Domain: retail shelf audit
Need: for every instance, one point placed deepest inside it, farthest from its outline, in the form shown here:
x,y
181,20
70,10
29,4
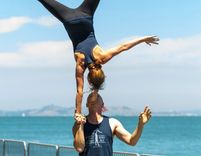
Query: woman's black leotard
x,y
78,23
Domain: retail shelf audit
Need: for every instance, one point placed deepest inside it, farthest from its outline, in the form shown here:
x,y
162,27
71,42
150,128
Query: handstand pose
x,y
78,23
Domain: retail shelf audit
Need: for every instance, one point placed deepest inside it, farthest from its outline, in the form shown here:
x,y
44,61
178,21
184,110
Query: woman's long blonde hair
x,y
96,77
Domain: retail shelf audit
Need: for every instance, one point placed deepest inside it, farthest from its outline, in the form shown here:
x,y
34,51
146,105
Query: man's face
x,y
97,106
100,103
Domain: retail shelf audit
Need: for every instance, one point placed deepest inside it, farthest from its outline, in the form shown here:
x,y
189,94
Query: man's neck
x,y
95,118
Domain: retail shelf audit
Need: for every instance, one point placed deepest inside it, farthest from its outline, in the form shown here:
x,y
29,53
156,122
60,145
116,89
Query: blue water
x,y
163,135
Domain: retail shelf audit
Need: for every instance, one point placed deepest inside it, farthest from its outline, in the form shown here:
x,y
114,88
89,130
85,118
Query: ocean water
x,y
180,136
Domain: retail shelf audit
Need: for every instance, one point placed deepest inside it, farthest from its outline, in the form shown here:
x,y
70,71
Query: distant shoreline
x,y
54,111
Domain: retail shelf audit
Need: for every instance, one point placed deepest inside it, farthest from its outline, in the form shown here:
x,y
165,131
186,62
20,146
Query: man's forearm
x,y
136,134
79,141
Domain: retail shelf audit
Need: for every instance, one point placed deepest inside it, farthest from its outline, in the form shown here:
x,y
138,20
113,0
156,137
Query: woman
x,y
78,23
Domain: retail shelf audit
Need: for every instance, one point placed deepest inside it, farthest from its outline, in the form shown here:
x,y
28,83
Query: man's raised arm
x,y
124,135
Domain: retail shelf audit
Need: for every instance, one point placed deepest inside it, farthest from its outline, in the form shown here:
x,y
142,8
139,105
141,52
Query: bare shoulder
x,y
80,59
114,123
98,54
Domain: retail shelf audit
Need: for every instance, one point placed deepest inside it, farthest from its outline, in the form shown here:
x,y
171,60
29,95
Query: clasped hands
x,y
79,118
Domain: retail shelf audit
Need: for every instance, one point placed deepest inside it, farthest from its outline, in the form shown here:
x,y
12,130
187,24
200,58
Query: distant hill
x,y
53,110
49,110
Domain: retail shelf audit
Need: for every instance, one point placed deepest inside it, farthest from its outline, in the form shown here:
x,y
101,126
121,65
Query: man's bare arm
x,y
78,133
124,135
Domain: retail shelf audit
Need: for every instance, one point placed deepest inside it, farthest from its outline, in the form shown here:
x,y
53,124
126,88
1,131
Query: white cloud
x,y
46,21
39,54
14,23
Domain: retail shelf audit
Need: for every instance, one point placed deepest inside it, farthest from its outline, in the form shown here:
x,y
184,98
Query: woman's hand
x,y
150,40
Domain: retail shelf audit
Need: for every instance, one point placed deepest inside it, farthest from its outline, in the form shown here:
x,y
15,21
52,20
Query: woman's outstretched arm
x,y
109,54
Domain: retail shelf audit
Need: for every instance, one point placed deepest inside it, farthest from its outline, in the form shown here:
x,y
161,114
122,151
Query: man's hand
x,y
79,119
145,116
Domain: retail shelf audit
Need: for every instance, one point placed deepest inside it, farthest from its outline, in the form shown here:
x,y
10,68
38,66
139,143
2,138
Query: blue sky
x,y
37,64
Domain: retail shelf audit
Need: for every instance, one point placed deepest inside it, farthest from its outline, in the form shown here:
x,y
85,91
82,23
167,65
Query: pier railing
x,y
21,148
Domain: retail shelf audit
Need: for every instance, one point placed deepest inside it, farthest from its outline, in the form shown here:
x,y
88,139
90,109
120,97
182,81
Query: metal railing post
x,y
25,149
4,146
57,150
28,149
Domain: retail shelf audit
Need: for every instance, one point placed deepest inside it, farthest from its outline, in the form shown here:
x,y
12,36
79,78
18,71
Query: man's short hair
x,y
93,98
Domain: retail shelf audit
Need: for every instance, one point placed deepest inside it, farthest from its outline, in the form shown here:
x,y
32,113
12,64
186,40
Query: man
x,y
93,135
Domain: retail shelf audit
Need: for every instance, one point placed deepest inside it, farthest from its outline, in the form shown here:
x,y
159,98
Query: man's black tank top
x,y
98,139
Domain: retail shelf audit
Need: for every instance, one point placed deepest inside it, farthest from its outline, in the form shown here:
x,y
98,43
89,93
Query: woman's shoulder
x,y
79,55
80,58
